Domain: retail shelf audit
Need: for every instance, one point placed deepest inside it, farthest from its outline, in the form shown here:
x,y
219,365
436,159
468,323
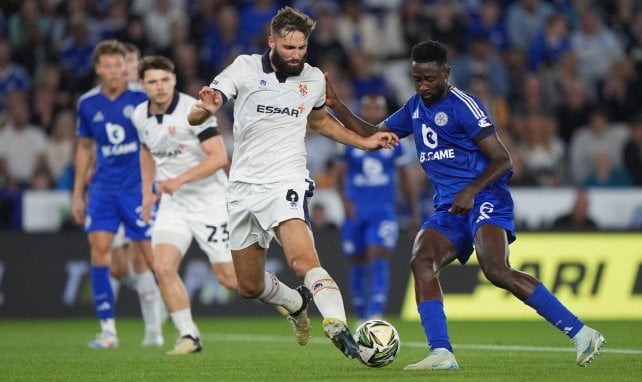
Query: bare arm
x,y
500,162
215,159
147,173
325,124
84,158
210,101
346,116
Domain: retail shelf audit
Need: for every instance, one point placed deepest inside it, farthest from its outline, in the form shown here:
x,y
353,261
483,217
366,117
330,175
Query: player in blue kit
x,y
106,132
368,182
468,167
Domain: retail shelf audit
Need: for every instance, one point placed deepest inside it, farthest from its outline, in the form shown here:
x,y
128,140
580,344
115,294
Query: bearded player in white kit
x,y
187,163
276,95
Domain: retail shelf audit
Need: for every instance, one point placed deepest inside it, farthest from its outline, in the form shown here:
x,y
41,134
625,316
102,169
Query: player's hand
x,y
78,209
149,200
209,99
381,140
331,98
169,186
463,202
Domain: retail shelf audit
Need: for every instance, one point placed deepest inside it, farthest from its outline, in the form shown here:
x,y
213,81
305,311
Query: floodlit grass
x,y
263,349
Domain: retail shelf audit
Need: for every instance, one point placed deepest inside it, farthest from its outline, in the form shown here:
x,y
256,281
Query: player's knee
x,y
300,265
164,269
498,275
249,290
423,263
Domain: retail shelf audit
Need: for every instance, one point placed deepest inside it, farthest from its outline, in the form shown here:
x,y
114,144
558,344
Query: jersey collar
x,y
267,67
170,109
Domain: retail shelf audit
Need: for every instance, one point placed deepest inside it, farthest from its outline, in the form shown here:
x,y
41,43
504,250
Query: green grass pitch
x,y
263,349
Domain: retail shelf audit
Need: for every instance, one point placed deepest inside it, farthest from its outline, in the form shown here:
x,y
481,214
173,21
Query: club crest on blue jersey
x,y
129,110
441,119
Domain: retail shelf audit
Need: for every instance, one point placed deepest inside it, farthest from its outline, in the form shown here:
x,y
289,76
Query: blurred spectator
x,y
578,218
633,151
488,21
574,109
618,92
531,96
135,34
26,24
405,27
525,19
588,141
595,46
255,17
480,60
548,45
605,173
75,55
543,151
158,21
41,180
448,26
515,61
13,77
223,40
22,145
364,78
358,30
634,46
60,149
324,43
319,218
187,68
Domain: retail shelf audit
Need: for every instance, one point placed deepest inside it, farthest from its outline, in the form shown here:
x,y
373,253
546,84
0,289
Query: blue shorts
x,y
106,210
492,206
376,229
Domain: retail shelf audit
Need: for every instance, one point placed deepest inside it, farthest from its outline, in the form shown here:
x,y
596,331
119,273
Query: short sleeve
x,y
400,121
227,82
82,124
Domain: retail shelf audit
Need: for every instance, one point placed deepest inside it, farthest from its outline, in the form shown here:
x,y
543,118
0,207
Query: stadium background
x,y
546,74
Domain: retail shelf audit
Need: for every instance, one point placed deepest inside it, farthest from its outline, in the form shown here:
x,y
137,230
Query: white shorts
x,y
176,226
256,209
119,238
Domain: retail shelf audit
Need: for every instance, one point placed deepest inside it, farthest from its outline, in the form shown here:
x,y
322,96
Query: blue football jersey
x,y
445,136
117,145
370,176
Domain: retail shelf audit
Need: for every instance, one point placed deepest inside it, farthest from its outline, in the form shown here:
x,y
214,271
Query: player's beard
x,y
283,67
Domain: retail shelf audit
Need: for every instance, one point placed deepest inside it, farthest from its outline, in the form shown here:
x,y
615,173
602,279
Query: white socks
x,y
279,294
326,293
151,303
184,324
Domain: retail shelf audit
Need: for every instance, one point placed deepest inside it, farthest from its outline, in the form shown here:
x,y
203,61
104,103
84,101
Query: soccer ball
x,y
378,343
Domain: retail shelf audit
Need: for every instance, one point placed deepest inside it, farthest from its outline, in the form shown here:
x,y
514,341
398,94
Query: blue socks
x,y
433,319
549,307
358,289
103,294
379,285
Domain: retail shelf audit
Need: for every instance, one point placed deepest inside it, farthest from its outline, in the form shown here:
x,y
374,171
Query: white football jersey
x,y
270,118
175,146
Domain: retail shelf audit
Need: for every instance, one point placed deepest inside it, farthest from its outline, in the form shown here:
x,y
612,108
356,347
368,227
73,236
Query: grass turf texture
x,y
263,349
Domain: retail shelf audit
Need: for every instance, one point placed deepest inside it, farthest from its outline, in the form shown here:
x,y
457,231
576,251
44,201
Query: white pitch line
x,y
412,344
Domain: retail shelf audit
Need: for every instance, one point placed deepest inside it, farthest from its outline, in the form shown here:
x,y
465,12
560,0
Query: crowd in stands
x,y
561,79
